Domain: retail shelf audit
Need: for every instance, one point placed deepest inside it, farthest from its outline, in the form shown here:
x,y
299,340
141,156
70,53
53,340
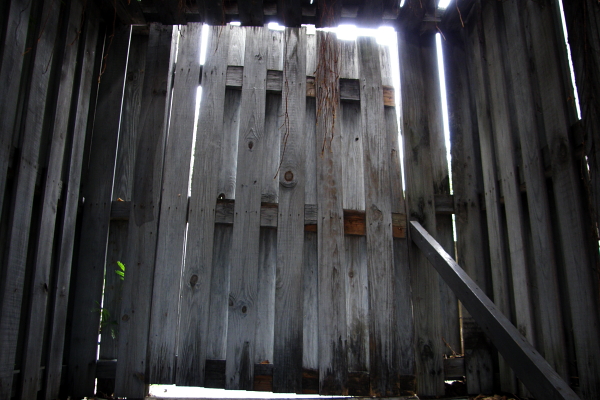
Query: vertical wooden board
x,y
132,368
32,360
275,52
196,276
289,293
311,54
173,209
289,12
467,186
498,260
274,120
231,125
504,150
246,227
130,118
574,231
237,42
333,363
349,68
353,180
219,292
89,69
265,296
441,186
416,132
550,336
10,78
378,202
20,221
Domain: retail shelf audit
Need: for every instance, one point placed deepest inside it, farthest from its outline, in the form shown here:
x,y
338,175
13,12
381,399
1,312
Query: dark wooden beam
x,y
214,13
289,12
455,17
129,12
251,12
414,12
529,366
329,13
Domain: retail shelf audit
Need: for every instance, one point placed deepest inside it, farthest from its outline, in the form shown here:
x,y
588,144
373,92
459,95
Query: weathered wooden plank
x,y
196,276
265,297
10,78
568,196
130,118
332,267
289,12
467,185
329,13
132,369
231,124
32,359
270,169
498,259
173,209
532,369
251,13
550,336
20,220
287,374
246,228
413,54
89,61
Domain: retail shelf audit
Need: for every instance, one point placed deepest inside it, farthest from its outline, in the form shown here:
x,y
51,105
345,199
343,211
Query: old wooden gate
x,y
288,258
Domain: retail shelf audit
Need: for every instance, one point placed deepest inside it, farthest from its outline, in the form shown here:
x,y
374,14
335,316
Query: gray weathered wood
x,y
413,54
231,124
32,352
550,336
246,227
380,262
274,120
498,260
162,345
196,276
566,183
530,366
265,297
10,77
67,240
20,220
132,369
467,185
287,374
332,267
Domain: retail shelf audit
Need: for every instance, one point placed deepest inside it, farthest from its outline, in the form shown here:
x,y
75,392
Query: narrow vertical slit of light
x,y
571,69
442,77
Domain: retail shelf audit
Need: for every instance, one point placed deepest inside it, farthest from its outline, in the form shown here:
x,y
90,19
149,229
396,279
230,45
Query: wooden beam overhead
x,y
251,12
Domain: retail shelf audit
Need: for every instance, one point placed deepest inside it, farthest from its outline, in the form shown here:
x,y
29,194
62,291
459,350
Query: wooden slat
x,y
30,370
140,260
329,13
332,268
419,191
467,184
246,227
265,298
251,13
20,220
551,337
89,62
173,215
196,276
573,226
10,78
498,259
287,375
530,366
380,262
289,12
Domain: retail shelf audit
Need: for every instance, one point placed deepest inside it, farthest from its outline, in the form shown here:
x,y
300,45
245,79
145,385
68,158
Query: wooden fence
x,y
265,239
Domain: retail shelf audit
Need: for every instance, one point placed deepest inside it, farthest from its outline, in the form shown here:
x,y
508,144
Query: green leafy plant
x,y
121,270
106,322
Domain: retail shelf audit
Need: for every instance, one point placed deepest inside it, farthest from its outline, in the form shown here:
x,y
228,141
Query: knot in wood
x,y
193,280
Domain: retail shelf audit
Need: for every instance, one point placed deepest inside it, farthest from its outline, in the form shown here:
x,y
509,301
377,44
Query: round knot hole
x,y
244,309
194,280
289,175
250,144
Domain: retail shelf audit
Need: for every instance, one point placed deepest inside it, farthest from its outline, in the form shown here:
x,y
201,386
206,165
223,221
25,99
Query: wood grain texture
x,y
378,199
20,220
332,267
140,261
229,146
550,336
162,345
530,366
197,272
574,231
497,245
89,69
246,227
289,294
467,185
32,352
10,78
414,53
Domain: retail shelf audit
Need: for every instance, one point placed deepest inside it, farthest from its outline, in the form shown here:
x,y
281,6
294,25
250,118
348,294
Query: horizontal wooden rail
x,y
529,366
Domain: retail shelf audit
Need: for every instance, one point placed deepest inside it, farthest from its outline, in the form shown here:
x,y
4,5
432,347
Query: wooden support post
x,y
530,366
132,369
